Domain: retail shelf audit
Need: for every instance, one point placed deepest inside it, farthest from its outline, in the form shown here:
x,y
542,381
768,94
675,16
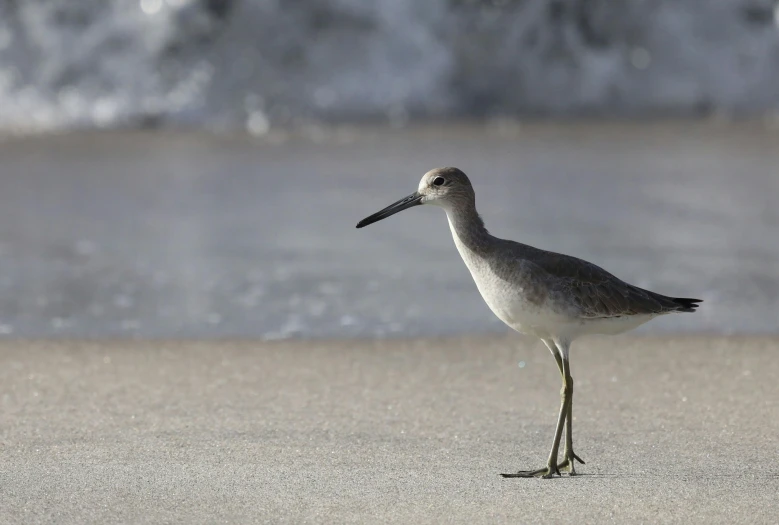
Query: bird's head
x,y
445,187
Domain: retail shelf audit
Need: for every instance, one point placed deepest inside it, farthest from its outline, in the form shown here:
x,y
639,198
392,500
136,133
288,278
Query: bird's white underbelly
x,y
511,304
523,316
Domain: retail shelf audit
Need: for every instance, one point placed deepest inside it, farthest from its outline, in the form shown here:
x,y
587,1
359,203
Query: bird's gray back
x,y
569,285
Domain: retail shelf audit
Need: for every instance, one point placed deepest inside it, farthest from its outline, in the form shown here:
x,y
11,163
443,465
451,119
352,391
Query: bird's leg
x,y
569,456
551,464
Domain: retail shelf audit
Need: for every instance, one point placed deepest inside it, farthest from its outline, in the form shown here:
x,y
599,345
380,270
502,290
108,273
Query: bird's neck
x,y
468,228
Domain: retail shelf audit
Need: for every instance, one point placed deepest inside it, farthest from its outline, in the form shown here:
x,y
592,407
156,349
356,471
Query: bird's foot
x,y
546,472
568,464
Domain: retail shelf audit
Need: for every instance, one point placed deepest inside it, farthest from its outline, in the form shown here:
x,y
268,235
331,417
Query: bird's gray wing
x,y
590,292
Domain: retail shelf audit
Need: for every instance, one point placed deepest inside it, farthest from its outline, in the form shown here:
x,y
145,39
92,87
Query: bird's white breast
x,y
511,301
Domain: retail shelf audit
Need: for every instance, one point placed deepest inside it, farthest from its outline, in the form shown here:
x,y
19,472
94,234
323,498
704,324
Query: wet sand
x,y
673,429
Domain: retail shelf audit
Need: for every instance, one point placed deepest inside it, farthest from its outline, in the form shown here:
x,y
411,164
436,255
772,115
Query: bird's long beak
x,y
415,199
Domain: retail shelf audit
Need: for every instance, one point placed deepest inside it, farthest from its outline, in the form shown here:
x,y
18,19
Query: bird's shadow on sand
x,y
609,475
585,475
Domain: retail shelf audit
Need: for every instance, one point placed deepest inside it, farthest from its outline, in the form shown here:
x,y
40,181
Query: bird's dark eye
x,y
438,181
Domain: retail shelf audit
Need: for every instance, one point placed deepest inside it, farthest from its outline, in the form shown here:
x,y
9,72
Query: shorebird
x,y
552,296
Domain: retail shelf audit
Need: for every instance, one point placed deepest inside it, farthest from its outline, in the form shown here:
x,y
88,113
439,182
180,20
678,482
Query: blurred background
x,y
195,168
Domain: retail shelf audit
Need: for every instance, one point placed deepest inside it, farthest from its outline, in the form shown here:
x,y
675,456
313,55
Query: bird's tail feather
x,y
686,304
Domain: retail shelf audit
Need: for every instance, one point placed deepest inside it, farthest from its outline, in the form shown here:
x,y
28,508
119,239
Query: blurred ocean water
x,y
253,64
139,234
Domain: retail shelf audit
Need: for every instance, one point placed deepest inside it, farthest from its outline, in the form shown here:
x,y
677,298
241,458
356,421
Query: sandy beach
x,y
673,430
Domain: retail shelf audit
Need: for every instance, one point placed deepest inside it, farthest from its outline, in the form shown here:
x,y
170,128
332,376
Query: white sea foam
x,y
251,65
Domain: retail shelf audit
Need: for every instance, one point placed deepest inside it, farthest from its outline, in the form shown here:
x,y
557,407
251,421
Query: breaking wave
x,y
253,64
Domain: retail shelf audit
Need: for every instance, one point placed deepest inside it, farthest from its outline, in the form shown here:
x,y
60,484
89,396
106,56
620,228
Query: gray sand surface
x,y
674,430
